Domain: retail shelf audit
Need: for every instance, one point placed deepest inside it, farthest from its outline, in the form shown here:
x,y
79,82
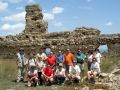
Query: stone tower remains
x,y
34,21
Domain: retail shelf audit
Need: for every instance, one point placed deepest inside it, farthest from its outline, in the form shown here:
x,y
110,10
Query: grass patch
x,y
8,75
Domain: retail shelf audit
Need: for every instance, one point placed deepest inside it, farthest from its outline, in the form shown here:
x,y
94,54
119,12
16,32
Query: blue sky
x,y
62,15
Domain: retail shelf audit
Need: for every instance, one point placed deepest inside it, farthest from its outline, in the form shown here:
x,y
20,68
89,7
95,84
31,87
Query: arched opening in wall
x,y
103,48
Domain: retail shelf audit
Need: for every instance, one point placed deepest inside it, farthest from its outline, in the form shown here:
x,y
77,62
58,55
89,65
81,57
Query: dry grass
x,y
8,75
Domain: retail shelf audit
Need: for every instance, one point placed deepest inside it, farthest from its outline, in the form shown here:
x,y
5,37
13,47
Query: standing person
x,y
41,54
74,74
32,60
59,57
80,59
94,70
40,65
98,56
21,60
90,57
51,60
69,58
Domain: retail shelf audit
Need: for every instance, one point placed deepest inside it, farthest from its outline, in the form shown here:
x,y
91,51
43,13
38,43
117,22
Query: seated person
x,y
47,74
32,76
74,73
94,70
60,74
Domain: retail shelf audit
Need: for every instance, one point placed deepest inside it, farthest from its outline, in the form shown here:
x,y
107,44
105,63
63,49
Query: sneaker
x,y
29,84
17,81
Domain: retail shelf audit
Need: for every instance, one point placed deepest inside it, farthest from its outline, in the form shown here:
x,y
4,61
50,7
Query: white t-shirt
x,y
90,57
32,62
32,73
95,67
75,69
62,72
43,56
98,57
40,65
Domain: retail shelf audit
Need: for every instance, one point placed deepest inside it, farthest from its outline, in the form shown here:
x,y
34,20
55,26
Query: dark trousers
x,y
39,77
89,65
60,80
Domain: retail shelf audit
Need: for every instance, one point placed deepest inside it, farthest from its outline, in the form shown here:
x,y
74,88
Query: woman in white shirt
x,y
94,70
98,56
90,57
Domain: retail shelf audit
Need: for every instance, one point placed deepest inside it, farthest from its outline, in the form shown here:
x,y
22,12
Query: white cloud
x,y
3,6
13,1
15,18
18,26
20,8
48,16
109,23
57,24
57,10
30,1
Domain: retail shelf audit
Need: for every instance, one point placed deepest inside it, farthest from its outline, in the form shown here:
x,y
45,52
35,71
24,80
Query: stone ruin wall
x,y
36,36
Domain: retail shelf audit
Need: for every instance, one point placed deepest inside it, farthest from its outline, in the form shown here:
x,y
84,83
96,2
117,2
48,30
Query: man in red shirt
x,y
47,74
51,60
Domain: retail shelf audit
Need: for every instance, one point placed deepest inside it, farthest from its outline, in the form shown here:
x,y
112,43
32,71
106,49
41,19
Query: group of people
x,y
48,68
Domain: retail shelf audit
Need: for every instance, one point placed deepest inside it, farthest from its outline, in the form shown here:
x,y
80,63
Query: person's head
x,y
79,51
59,52
94,60
39,58
90,52
60,66
33,67
41,50
97,50
48,66
74,62
51,54
67,50
21,50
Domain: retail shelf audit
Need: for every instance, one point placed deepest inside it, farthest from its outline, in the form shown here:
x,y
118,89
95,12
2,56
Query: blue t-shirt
x,y
60,58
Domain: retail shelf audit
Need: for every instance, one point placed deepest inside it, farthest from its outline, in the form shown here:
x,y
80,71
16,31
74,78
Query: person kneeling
x,y
60,74
32,76
94,70
47,75
74,73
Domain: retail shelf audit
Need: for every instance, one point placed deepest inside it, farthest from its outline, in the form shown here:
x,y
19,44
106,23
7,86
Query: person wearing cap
x,y
21,62
94,70
79,56
74,73
69,58
59,57
51,60
32,76
47,74
60,74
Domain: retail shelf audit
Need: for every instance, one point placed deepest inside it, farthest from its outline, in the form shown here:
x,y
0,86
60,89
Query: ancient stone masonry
x,y
36,36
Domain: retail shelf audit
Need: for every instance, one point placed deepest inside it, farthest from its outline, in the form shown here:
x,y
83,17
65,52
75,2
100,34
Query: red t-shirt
x,y
48,71
51,60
